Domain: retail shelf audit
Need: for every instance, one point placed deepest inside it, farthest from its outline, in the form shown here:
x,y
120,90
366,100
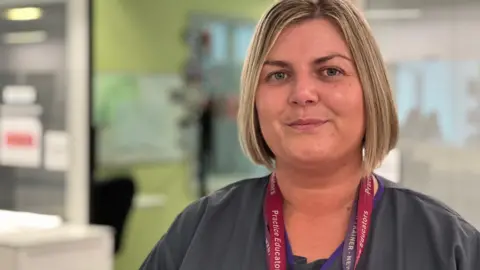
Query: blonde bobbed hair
x,y
381,122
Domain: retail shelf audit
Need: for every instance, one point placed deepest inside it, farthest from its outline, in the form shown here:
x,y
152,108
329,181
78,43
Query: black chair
x,y
112,201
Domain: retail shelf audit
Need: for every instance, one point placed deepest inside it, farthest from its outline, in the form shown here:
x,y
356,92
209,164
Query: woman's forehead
x,y
311,38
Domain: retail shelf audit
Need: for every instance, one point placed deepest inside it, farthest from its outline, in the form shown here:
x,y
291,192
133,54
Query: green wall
x,y
146,225
144,36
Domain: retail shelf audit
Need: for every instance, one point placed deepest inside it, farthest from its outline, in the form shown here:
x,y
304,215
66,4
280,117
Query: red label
x,y
17,139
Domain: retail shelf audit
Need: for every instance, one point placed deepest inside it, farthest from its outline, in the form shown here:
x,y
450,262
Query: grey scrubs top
x,y
225,231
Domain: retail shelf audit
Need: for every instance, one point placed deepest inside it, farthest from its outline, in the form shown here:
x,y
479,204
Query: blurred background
x,y
122,112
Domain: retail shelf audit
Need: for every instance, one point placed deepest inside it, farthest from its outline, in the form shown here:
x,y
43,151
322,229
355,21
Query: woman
x,y
317,109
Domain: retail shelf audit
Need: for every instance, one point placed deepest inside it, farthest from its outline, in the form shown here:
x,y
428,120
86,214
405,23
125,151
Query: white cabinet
x,y
65,247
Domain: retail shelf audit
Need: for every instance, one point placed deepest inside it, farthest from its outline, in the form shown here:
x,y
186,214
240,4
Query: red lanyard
x,y
354,244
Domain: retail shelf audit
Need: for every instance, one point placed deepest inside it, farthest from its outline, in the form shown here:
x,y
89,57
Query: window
x,y
241,40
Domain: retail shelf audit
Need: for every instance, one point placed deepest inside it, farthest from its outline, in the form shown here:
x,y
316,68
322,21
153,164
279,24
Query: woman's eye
x,y
278,76
331,72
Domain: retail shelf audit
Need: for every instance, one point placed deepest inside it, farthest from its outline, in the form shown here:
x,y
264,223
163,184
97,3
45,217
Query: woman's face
x,y
309,98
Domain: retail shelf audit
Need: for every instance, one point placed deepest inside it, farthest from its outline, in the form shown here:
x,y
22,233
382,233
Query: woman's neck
x,y
318,206
315,194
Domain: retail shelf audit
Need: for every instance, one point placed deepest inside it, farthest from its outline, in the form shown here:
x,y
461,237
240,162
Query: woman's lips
x,y
306,124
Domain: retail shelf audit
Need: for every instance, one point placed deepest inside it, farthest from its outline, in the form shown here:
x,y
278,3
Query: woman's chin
x,y
309,156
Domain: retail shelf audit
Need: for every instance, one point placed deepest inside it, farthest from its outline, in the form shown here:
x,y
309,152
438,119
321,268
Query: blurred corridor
x,y
144,93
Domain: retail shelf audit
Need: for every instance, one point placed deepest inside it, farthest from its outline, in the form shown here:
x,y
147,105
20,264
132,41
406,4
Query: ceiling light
x,y
23,14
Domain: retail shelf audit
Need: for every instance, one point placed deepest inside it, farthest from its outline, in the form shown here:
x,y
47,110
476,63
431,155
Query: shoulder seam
x,y
232,186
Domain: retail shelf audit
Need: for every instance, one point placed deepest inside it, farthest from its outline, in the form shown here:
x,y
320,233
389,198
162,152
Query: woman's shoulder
x,y
231,196
236,196
412,199
251,187
420,212
210,215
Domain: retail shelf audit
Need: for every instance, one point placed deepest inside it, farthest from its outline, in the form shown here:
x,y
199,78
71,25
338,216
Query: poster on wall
x,y
21,140
137,119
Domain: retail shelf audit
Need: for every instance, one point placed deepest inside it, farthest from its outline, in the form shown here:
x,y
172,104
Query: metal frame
x,y
78,110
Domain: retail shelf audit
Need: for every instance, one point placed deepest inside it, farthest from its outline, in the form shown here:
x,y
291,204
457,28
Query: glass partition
x,y
222,67
435,69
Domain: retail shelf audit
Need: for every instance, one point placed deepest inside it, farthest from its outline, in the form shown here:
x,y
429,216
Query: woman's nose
x,y
304,92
